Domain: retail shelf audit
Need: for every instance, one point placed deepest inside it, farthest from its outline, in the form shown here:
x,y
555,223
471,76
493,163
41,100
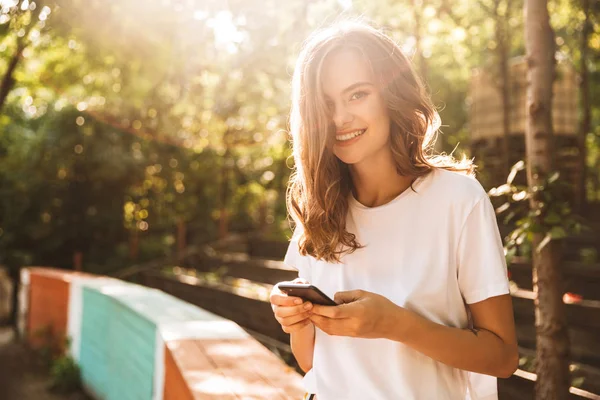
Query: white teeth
x,y
350,135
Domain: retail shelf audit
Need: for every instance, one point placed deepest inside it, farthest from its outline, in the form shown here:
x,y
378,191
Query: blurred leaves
x,y
125,118
553,218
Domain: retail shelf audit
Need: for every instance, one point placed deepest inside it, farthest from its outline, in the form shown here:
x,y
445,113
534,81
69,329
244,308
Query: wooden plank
x,y
583,314
235,360
584,346
521,385
241,266
590,375
48,309
569,268
584,327
580,278
251,313
203,378
259,247
176,386
274,370
227,369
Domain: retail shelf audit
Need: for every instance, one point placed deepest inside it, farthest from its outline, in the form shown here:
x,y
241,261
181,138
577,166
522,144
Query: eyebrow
x,y
355,85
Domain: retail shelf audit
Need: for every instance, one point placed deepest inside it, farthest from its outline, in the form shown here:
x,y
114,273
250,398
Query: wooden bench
x,y
136,342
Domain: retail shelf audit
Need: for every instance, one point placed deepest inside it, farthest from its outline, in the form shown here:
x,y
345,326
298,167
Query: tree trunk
x,y
421,63
181,238
15,274
552,337
504,89
78,261
586,117
134,241
552,356
418,5
224,195
503,40
8,81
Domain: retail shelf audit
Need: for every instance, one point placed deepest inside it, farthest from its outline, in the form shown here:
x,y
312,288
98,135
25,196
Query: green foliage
x,y
64,371
552,216
589,255
48,345
127,119
65,374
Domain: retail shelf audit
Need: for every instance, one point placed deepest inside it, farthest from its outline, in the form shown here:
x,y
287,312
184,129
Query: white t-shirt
x,y
429,251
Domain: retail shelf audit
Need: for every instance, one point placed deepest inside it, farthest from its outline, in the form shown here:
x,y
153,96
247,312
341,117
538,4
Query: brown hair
x,y
318,191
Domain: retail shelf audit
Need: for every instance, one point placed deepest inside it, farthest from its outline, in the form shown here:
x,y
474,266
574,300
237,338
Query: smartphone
x,y
306,292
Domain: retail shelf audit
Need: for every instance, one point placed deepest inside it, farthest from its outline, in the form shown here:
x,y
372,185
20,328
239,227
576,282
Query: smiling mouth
x,y
350,135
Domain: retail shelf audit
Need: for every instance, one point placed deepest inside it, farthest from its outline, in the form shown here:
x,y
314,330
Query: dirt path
x,y
22,377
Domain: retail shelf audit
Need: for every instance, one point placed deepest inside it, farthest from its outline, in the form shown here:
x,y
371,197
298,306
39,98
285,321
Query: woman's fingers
x,y
293,323
283,300
293,319
288,316
297,326
289,311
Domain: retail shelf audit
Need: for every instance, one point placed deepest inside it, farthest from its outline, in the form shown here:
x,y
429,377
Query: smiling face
x,y
356,107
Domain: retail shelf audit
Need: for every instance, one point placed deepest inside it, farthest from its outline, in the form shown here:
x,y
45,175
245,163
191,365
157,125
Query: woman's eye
x,y
358,95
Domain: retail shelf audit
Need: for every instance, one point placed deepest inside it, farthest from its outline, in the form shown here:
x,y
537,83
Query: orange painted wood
x,y
49,305
223,369
176,387
48,309
60,274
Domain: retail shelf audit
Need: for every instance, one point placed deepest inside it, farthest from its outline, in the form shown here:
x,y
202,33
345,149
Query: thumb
x,y
348,296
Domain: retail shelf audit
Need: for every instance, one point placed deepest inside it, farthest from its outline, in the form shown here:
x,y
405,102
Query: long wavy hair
x,y
319,188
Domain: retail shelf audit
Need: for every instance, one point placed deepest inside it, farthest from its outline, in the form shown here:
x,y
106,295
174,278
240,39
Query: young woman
x,y
406,243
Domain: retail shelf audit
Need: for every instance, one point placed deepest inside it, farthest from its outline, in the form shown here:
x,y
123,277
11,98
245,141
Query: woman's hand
x,y
292,313
360,314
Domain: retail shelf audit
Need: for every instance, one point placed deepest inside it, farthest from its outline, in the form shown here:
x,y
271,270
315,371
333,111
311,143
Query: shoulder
x,y
457,183
456,188
298,230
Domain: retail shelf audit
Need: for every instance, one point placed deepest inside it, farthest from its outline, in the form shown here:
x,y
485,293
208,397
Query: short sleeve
x,y
294,259
480,256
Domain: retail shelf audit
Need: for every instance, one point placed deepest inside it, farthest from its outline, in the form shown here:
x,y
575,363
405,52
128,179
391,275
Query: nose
x,y
342,117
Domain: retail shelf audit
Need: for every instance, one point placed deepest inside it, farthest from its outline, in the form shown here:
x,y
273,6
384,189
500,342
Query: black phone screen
x,y
307,292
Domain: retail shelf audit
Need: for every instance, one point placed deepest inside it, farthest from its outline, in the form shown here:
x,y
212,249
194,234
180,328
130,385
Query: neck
x,y
376,181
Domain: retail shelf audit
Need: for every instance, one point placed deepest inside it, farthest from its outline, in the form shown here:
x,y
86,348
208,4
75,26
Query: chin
x,y
349,158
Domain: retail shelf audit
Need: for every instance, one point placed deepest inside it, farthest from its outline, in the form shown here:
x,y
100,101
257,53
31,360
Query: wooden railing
x,y
209,289
578,277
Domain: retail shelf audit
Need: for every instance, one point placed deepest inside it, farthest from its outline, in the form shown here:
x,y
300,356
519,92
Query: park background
x,y
134,134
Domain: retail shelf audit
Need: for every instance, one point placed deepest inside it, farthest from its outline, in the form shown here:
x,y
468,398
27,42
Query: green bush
x,y
66,376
